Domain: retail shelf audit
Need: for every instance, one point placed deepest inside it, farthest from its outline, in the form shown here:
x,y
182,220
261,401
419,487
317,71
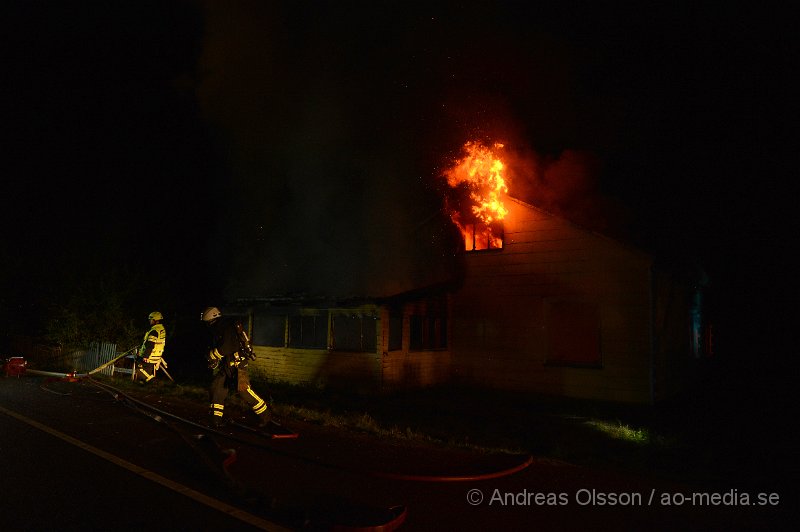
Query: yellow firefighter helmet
x,y
155,316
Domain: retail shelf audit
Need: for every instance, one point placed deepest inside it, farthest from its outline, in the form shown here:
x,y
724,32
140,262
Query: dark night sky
x,y
267,146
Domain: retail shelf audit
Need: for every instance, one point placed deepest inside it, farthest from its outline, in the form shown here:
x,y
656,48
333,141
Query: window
x,y
417,336
573,334
481,236
395,332
354,333
427,333
269,330
438,332
309,331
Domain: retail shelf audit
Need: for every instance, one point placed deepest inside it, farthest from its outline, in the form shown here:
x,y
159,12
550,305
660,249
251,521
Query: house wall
x,y
324,366
368,371
318,366
500,316
407,368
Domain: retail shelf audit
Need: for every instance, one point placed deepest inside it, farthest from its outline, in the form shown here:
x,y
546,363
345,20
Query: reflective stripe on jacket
x,y
154,341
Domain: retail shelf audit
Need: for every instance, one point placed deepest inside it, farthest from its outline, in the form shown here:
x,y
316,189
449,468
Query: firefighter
x,y
149,357
227,357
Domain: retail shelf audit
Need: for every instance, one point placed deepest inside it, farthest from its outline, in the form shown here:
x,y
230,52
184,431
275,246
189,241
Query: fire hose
x,y
398,513
104,366
222,458
141,406
73,376
380,474
194,441
219,459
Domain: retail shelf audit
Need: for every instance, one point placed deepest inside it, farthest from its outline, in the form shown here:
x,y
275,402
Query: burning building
x,y
540,304
565,311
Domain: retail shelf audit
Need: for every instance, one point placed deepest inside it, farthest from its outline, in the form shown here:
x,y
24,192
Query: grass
x,y
639,436
460,418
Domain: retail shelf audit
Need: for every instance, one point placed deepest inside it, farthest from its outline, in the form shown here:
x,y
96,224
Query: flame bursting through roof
x,y
480,173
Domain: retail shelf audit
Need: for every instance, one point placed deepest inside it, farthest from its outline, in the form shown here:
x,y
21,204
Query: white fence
x,y
98,354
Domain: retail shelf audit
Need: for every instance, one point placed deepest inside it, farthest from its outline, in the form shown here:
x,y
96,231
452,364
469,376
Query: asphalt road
x,y
72,457
57,477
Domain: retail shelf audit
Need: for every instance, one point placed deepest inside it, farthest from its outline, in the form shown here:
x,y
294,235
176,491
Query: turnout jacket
x,y
153,345
224,349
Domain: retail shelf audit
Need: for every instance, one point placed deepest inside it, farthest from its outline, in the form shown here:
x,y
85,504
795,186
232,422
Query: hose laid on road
x,y
221,470
380,474
71,375
397,513
457,478
54,377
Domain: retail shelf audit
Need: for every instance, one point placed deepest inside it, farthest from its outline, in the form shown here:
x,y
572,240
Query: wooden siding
x,y
322,367
500,338
381,369
405,368
317,366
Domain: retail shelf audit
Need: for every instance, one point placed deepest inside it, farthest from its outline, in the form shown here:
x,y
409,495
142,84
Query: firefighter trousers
x,y
221,386
146,370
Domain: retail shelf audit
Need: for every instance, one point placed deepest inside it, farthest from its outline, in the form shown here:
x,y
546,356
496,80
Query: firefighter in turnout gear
x,y
148,359
228,356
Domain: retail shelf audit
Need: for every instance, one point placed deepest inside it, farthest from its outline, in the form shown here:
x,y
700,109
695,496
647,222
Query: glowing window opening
x,y
479,237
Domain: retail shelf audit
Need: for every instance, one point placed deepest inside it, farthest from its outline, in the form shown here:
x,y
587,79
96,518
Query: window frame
x,y
472,229
368,346
427,332
321,322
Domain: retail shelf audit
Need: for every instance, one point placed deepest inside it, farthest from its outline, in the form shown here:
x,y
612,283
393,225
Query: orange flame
x,y
481,172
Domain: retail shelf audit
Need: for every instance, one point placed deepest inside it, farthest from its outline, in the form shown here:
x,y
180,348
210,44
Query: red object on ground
x,y
15,366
